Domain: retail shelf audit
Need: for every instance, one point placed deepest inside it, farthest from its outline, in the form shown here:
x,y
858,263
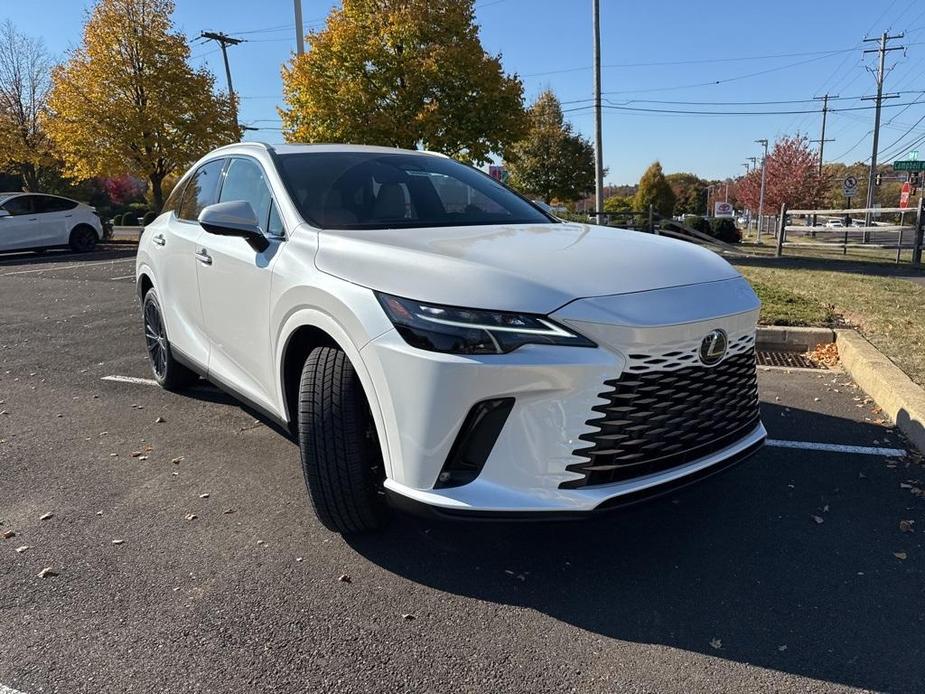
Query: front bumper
x,y
424,398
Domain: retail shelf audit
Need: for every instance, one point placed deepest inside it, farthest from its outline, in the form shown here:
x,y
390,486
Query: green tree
x,y
618,203
690,193
402,73
551,161
126,101
654,190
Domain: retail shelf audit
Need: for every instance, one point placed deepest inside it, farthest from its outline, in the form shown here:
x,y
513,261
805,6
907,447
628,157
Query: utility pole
x,y
224,41
882,50
825,110
764,167
299,30
598,155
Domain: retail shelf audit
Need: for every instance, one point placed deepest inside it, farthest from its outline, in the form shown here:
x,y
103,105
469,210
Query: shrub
x,y
148,218
130,219
725,230
701,224
117,220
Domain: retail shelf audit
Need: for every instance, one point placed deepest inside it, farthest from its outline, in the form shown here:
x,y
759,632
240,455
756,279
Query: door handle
x,y
159,240
203,257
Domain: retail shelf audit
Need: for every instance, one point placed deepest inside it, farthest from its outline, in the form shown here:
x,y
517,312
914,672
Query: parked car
x,y
436,342
36,222
835,224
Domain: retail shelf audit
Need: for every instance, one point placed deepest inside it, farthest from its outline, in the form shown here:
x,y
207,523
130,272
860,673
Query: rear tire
x,y
341,458
83,239
168,372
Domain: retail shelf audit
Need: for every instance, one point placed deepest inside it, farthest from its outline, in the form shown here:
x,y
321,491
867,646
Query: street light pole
x,y
598,155
764,167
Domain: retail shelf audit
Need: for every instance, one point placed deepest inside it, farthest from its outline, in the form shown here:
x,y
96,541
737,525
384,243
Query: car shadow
x,y
24,259
785,562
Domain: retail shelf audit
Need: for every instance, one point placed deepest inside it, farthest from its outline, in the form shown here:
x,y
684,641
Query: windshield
x,y
373,190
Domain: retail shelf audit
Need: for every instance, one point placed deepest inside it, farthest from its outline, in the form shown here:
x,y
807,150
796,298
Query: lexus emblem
x,y
713,347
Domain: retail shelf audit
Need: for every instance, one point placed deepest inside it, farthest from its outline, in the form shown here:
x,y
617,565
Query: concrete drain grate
x,y
790,360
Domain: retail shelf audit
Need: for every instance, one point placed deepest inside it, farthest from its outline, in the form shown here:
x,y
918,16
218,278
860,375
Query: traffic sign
x,y
723,209
850,186
908,165
905,195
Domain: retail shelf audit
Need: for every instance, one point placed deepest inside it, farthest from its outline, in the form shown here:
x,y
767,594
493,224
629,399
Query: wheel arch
x,y
302,332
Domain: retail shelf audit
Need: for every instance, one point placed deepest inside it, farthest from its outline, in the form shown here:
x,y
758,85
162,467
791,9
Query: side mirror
x,y
234,218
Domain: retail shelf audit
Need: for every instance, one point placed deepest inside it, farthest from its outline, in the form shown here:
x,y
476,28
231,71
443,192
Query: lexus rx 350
x,y
434,340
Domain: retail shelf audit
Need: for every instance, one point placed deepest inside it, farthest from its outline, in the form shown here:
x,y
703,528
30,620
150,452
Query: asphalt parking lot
x,y
187,559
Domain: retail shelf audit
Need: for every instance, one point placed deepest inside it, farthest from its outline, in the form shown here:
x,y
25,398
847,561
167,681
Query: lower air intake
x,y
658,420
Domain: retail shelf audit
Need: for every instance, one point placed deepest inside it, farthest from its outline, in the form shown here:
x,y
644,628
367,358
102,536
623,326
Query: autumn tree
x,y
126,101
792,177
616,204
24,84
690,193
551,161
402,73
654,190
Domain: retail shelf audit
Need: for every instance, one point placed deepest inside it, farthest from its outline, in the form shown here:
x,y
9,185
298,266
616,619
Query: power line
x,y
691,112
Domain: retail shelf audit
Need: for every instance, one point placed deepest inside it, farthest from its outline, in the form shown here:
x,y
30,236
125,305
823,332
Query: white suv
x,y
35,222
436,341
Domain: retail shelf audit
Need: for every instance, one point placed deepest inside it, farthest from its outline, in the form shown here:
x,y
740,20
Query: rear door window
x,y
202,190
48,203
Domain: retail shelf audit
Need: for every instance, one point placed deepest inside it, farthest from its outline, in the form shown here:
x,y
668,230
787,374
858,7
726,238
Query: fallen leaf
x,y
906,526
46,516
900,555
191,516
261,542
20,550
407,617
716,643
818,519
7,534
136,454
159,420
204,496
228,510
782,647
344,578
47,571
177,460
118,542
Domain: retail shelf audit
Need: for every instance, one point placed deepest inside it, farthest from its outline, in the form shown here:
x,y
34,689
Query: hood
x,y
534,268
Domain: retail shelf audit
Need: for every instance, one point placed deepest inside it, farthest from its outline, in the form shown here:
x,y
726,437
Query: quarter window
x,y
244,181
47,203
201,191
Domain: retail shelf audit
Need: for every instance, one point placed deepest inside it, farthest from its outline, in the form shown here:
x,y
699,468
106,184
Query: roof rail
x,y
254,143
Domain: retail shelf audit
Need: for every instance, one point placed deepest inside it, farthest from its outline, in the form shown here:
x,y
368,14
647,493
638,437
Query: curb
x,y
791,339
893,391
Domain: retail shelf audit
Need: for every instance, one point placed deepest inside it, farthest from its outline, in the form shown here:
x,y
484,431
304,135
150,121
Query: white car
x,y
437,342
835,224
35,222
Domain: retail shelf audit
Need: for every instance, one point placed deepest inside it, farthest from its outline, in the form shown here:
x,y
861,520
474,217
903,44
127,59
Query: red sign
x,y
904,195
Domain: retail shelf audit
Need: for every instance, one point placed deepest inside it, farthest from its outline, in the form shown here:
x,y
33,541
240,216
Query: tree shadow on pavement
x,y
25,259
736,567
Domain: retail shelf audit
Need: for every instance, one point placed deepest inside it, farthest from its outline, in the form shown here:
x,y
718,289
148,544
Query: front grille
x,y
658,420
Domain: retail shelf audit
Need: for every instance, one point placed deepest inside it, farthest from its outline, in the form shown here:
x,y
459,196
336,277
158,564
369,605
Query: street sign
x,y
723,209
850,186
908,165
905,195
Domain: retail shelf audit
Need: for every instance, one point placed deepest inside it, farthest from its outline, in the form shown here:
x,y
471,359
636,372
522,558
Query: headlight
x,y
473,331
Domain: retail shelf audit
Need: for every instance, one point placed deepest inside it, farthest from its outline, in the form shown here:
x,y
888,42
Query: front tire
x,y
341,458
83,239
168,372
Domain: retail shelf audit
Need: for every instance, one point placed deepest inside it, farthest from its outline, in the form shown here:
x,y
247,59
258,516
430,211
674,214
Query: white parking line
x,y
838,448
9,690
123,277
68,267
129,379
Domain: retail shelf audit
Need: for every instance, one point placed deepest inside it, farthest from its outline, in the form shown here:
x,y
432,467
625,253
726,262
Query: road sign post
x,y
850,186
905,195
919,226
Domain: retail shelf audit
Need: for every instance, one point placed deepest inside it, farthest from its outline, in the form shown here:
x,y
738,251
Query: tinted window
x,y
47,203
244,180
172,204
275,224
20,205
201,191
366,190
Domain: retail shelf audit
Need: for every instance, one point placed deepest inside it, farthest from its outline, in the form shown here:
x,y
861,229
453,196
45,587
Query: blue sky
x,y
714,52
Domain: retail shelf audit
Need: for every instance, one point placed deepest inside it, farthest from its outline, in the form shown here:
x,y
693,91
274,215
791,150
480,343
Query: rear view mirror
x,y
234,218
